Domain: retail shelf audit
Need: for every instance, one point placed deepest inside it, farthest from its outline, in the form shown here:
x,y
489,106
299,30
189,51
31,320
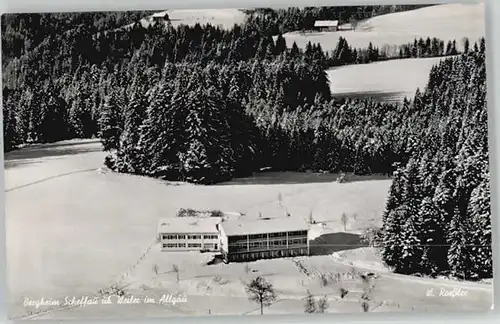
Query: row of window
x,y
297,233
233,239
238,245
237,238
189,237
174,245
300,241
243,238
209,246
263,245
257,245
257,236
278,243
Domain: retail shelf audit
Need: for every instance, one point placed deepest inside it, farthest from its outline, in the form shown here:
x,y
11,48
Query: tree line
x,y
438,218
274,21
56,90
344,54
22,33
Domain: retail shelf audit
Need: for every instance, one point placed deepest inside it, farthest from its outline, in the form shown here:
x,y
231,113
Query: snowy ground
x,y
72,230
388,81
446,22
225,18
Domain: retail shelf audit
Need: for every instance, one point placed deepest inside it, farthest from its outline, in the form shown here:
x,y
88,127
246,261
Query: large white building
x,y
189,234
242,240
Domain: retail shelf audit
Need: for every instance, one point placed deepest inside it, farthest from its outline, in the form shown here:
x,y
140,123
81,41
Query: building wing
x,y
264,226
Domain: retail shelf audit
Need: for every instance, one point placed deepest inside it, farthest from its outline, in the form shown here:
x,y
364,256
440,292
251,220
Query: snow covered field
x,y
72,230
225,18
446,22
388,81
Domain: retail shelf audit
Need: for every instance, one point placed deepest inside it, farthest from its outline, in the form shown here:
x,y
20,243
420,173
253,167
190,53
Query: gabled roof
x,y
264,226
160,14
326,23
188,225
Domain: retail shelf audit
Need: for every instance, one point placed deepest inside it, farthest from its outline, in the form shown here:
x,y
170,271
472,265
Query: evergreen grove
x,y
204,105
438,218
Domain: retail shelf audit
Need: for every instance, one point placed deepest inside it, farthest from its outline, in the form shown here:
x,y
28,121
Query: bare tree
x,y
310,303
365,306
175,268
261,291
311,219
323,304
344,220
354,23
368,286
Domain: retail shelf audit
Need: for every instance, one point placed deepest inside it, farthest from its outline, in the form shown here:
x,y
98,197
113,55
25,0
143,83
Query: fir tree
x,y
110,130
10,138
323,304
128,157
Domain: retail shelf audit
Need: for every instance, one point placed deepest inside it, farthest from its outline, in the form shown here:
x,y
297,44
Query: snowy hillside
x,y
446,22
224,18
112,222
387,81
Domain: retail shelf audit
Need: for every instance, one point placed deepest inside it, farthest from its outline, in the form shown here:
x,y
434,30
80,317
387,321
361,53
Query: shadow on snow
x,y
35,153
380,96
334,242
276,178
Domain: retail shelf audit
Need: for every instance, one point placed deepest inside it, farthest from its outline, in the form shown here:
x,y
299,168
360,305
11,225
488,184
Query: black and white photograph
x,y
260,161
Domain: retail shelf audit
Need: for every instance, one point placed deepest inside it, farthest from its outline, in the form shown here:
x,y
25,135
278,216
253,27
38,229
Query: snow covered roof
x,y
160,14
188,225
326,23
263,226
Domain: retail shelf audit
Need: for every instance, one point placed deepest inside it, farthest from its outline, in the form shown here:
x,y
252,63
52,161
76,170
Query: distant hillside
x,y
22,33
280,21
223,18
387,81
447,22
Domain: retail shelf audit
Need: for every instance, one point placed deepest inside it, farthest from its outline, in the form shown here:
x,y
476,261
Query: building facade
x,y
326,25
160,17
263,239
189,234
